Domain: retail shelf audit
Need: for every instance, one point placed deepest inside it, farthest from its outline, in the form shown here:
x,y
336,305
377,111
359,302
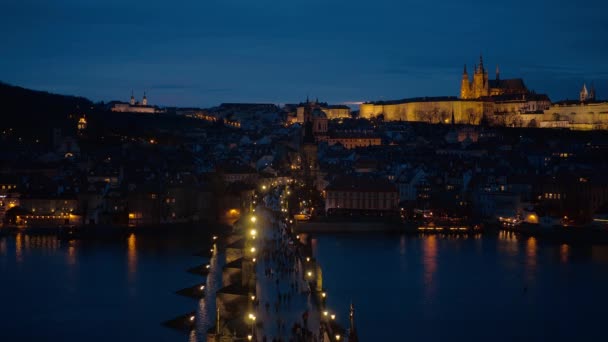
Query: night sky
x,y
204,52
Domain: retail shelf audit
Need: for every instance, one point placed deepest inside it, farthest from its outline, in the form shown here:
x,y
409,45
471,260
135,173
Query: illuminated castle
x,y
483,87
135,107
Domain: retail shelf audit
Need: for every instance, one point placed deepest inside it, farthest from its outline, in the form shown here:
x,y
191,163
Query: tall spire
x,y
481,63
464,72
497,73
352,335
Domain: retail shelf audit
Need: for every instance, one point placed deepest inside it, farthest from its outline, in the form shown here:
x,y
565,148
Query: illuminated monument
x,y
502,102
135,107
483,87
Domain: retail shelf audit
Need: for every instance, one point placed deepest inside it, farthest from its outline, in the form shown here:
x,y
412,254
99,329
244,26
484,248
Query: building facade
x,y
352,194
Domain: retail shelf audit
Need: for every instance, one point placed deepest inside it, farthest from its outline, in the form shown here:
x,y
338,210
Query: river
x,y
431,288
496,288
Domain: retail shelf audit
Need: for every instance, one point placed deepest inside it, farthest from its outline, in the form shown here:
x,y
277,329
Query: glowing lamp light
x,y
253,232
309,273
249,337
214,237
337,337
307,259
208,266
252,298
253,260
253,219
323,294
191,318
202,287
252,249
325,313
333,317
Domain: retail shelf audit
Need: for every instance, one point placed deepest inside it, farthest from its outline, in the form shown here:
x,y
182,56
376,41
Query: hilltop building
x,y
482,87
503,102
134,106
331,111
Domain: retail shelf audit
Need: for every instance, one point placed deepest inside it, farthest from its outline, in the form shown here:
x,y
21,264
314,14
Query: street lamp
x,y
337,337
253,219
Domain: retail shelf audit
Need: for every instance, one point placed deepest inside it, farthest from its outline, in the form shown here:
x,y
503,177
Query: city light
x,y
191,318
202,287
309,273
333,317
323,294
252,249
253,219
249,337
337,337
253,232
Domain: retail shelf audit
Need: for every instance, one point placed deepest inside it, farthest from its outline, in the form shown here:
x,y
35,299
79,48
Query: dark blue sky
x,y
203,52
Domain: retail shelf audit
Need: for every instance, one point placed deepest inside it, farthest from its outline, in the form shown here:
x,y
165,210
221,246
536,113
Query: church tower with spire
x,y
584,94
465,85
144,101
352,333
132,100
480,80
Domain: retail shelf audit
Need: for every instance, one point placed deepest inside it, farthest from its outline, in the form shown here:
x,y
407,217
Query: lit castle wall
x,y
502,102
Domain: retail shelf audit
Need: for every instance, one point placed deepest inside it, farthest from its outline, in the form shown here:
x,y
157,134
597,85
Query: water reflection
x,y
132,256
71,255
564,252
429,262
2,246
19,248
530,268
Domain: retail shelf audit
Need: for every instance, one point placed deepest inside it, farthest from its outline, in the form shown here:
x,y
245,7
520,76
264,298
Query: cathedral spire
x,y
352,335
481,69
464,72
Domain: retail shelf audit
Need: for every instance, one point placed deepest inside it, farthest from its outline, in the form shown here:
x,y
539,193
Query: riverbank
x,y
111,232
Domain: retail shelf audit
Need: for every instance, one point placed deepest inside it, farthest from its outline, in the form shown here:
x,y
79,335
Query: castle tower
x,y
132,101
465,85
592,93
480,81
144,101
584,94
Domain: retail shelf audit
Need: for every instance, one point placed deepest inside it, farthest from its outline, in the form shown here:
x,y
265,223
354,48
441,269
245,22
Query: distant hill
x,y
26,108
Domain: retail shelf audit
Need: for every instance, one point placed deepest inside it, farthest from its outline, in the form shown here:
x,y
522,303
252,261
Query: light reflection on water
x,y
429,262
70,287
470,287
